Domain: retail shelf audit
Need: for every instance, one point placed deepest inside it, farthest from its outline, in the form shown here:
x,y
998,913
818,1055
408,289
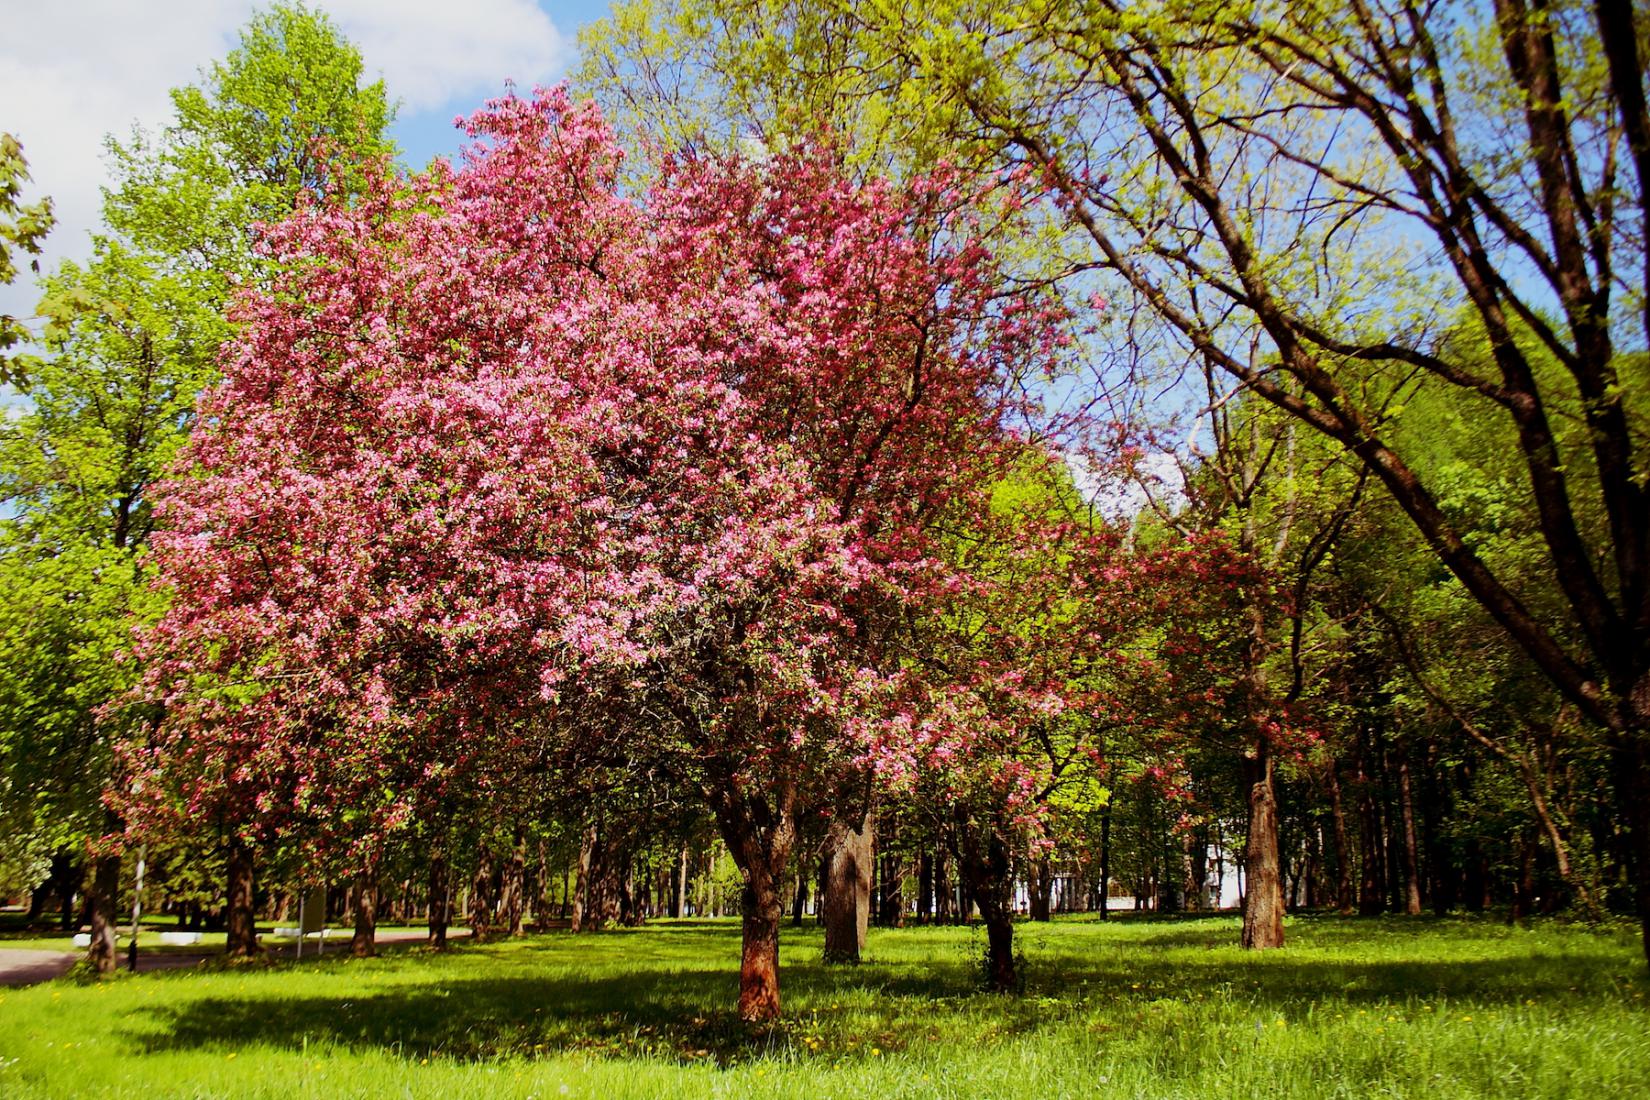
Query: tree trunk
x,y
581,884
1041,888
363,944
759,832
891,907
1263,896
241,923
483,897
846,901
799,906
513,886
945,897
440,914
679,883
1630,768
1343,850
1412,855
102,901
1369,836
1105,860
1197,869
760,907
925,887
985,871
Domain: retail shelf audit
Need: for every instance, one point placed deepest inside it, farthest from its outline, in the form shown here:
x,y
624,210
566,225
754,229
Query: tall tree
x,y
22,228
1324,185
133,336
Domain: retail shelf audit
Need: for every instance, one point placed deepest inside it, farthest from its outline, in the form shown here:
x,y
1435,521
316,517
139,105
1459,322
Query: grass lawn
x,y
1134,1008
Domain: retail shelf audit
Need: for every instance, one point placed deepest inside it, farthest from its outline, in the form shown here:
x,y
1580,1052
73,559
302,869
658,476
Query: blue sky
x,y
429,131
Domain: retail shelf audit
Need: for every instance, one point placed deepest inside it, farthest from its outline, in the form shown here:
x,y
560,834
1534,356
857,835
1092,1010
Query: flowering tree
x,y
508,466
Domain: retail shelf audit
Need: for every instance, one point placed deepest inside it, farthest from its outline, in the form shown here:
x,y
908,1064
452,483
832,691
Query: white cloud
x,y
432,52
74,71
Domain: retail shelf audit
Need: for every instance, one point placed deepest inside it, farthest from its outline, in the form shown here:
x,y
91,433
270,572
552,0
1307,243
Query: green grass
x,y
1351,1008
149,938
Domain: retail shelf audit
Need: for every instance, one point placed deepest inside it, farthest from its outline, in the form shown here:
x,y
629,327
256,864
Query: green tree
x,y
22,228
1303,195
132,337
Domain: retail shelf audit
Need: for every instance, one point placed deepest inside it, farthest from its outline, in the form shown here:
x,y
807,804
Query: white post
x,y
137,908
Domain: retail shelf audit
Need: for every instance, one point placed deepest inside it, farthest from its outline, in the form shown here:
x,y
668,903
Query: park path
x,y
19,967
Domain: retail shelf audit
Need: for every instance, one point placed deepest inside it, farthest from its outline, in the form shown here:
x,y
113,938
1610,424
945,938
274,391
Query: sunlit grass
x,y
1402,1008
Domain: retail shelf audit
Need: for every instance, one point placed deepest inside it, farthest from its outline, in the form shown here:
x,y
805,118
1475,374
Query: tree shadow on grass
x,y
658,1013
684,1011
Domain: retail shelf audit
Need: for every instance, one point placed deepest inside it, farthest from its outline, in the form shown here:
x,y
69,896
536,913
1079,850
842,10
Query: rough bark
x,y
1412,854
984,867
241,924
439,912
581,884
101,903
484,897
513,887
1630,763
363,944
799,905
1041,887
846,901
1263,896
679,884
1343,850
759,832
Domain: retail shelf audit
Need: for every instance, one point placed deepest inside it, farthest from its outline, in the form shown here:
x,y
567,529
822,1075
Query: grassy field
x,y
149,938
1352,1008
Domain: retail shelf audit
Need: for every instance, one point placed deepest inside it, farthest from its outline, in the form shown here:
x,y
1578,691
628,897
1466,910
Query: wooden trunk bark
x,y
241,925
513,887
101,903
1412,854
1263,894
846,901
983,864
1041,888
439,912
1343,850
364,943
1105,860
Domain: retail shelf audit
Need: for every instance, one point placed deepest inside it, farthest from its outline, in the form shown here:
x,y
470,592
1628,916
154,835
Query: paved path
x,y
26,967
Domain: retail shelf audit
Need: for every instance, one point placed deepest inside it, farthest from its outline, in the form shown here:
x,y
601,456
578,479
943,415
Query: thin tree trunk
x,y
513,886
581,884
1343,850
799,906
242,941
1041,888
1412,855
1105,861
1369,836
985,874
925,887
439,912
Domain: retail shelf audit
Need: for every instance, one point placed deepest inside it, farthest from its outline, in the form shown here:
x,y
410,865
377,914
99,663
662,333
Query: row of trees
x,y
1057,512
